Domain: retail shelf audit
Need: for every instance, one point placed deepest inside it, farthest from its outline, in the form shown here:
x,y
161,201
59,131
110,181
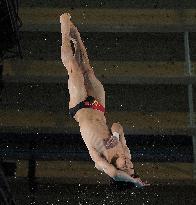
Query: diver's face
x,y
124,164
120,163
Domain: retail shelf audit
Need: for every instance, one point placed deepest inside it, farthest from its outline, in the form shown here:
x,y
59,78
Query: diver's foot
x,y
65,23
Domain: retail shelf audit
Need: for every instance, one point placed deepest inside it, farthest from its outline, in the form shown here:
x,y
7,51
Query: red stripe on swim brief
x,y
97,106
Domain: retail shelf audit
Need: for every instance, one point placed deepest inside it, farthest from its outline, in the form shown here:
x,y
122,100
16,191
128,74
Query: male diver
x,y
87,106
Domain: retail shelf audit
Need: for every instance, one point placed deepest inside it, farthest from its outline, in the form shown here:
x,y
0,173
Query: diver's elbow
x,y
98,167
111,172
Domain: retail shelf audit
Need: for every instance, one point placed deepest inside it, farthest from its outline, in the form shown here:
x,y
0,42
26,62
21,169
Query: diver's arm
x,y
117,127
102,164
115,138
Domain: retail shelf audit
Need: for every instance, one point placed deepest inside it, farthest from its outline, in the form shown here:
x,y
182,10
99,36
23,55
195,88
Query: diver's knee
x,y
88,72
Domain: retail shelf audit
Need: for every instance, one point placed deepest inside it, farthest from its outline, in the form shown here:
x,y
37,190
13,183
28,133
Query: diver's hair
x,y
113,160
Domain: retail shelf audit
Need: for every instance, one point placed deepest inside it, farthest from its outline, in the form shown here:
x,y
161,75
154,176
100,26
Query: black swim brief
x,y
90,102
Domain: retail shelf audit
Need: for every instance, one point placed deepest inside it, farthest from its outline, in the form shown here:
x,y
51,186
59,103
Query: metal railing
x,y
190,96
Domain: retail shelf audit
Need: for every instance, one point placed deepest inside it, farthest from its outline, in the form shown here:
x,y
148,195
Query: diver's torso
x,y
94,131
93,128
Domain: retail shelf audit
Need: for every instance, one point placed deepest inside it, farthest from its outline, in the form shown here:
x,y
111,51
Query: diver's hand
x,y
138,182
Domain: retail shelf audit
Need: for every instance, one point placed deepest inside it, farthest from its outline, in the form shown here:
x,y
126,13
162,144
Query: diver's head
x,y
120,162
124,164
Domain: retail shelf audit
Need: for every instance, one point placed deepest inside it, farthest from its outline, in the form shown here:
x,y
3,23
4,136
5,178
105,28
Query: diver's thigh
x,y
76,88
94,87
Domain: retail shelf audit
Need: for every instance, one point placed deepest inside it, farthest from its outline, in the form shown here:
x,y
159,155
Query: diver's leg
x,y
81,55
76,88
76,85
93,85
